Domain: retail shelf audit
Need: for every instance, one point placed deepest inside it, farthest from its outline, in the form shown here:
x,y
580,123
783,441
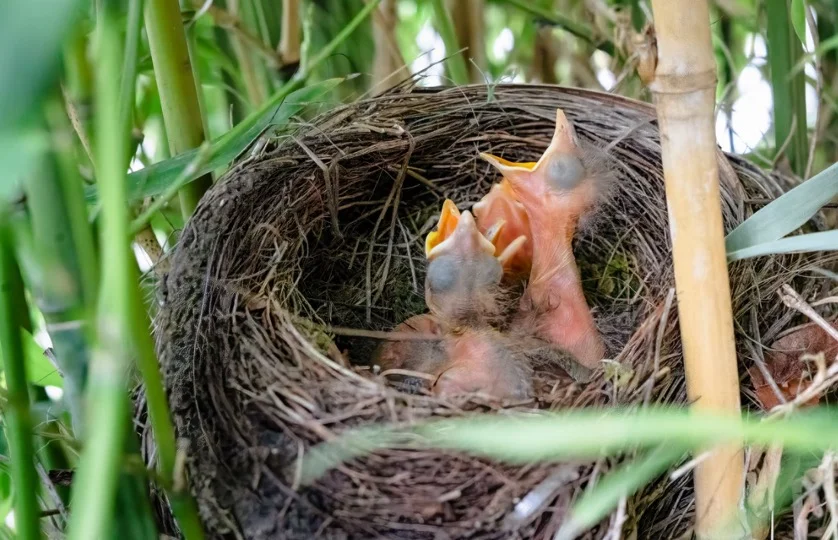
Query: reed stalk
x,y
95,485
17,415
248,67
388,67
684,88
290,39
455,63
64,285
178,93
467,17
50,451
788,85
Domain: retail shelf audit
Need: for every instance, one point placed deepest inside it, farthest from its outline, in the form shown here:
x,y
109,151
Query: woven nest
x,y
327,227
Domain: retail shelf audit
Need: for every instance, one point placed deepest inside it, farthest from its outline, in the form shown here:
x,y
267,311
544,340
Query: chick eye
x,y
442,274
565,172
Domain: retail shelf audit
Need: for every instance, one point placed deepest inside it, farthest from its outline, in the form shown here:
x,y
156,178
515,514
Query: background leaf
x,y
153,180
801,243
39,368
30,51
798,19
787,213
603,498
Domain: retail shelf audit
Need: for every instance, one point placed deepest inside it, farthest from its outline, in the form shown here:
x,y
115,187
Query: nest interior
x,y
326,226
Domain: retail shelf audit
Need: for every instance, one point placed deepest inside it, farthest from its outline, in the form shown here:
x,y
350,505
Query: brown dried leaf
x,y
785,366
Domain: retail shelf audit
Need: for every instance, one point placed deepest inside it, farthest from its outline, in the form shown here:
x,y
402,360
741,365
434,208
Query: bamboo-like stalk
x,y
178,94
123,329
17,415
247,63
455,63
64,285
788,86
684,89
95,485
388,67
290,39
469,27
50,451
545,55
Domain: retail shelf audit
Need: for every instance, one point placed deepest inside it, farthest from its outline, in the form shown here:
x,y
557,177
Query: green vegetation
x,y
112,108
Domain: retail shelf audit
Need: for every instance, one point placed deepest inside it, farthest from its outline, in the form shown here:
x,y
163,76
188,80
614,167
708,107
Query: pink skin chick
x,y
462,292
555,192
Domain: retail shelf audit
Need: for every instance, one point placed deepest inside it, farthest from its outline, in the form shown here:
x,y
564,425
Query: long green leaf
x,y
455,63
798,19
584,433
154,180
604,497
802,243
787,213
562,21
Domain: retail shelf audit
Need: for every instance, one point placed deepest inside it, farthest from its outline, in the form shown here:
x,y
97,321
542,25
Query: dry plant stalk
x,y
467,16
289,43
388,67
684,88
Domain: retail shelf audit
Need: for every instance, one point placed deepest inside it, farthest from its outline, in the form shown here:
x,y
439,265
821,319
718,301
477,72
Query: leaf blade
x,y
600,500
787,213
801,243
153,180
798,19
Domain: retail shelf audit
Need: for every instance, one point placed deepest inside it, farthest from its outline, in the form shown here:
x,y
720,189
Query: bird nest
x,y
324,228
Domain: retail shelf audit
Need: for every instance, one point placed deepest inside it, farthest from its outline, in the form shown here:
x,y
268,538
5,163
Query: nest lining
x,y
327,226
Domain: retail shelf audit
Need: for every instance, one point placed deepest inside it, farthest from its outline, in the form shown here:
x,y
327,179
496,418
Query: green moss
x,y
614,278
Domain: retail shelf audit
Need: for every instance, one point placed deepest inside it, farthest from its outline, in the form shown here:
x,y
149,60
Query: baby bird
x,y
555,192
462,290
462,282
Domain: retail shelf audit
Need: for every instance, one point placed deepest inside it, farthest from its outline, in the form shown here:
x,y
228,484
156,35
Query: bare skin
x,y
555,192
463,291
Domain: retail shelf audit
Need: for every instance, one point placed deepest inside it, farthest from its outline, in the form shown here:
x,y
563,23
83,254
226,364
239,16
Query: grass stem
x,y
455,62
17,415
788,86
178,93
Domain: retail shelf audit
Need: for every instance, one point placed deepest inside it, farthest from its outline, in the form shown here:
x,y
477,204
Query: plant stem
x,y
50,451
178,94
784,52
467,17
685,88
128,84
575,28
95,486
289,44
17,415
308,65
64,247
455,63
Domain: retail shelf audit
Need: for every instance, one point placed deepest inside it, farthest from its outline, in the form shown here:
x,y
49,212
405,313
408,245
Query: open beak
x,y
504,221
558,166
457,234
